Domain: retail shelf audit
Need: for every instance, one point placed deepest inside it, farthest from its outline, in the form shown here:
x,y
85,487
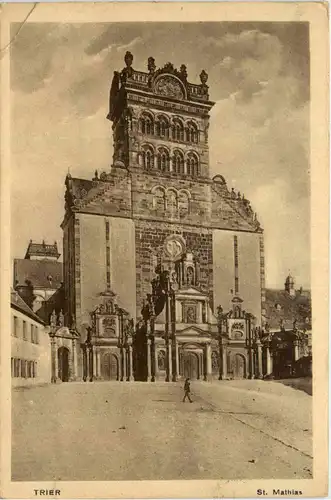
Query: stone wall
x,y
150,237
248,270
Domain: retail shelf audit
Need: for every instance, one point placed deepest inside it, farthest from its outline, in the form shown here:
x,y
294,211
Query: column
x,y
156,364
153,359
208,371
175,359
130,374
259,359
123,353
85,363
90,355
223,363
94,363
207,311
53,360
296,350
98,364
169,361
269,362
148,360
74,360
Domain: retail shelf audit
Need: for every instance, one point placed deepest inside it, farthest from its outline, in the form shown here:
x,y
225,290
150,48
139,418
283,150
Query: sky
x,y
259,126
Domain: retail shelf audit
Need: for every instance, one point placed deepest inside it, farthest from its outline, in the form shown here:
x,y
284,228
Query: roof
x,y
42,249
38,272
281,306
18,303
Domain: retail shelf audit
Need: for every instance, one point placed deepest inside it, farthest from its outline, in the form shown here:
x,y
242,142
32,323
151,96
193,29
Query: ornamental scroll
x,y
169,87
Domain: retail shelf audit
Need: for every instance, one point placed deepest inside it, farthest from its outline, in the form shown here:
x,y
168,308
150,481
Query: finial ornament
x,y
151,64
203,77
183,71
128,59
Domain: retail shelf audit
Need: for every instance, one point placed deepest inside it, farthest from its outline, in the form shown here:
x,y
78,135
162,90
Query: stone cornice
x,y
169,104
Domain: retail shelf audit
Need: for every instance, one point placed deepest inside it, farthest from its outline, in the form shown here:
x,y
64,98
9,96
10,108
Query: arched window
x,y
172,205
192,133
162,127
159,200
146,124
183,203
163,160
178,130
192,165
178,162
147,157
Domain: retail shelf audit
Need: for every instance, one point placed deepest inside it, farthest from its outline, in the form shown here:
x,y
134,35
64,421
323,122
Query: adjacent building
x,y
30,351
287,330
39,274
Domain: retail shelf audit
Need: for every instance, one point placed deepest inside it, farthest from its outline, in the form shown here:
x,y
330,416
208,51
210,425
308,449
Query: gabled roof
x,y
281,306
38,272
18,303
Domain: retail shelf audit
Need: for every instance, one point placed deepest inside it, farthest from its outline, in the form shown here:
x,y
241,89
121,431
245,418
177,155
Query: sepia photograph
x,y
162,326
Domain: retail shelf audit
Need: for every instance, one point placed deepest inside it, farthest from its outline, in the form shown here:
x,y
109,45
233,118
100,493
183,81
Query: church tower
x,y
160,126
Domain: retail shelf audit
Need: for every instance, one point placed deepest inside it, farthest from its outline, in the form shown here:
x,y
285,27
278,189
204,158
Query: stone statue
x,y
53,319
190,276
61,318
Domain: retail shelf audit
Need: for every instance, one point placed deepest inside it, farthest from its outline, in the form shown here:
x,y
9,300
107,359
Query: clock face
x,y
169,86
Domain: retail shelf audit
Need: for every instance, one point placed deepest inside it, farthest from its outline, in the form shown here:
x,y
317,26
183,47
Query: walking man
x,y
187,390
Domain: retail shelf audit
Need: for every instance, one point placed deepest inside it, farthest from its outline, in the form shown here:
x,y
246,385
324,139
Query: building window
x,y
163,160
36,332
146,125
192,133
23,368
25,330
159,200
192,165
172,203
183,203
34,369
17,367
178,162
178,130
162,127
15,326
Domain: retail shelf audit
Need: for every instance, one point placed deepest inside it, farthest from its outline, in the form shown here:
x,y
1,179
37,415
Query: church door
x,y
191,365
238,365
63,364
109,367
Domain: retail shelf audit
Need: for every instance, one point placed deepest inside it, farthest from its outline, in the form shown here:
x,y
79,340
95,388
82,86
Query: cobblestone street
x,y
129,431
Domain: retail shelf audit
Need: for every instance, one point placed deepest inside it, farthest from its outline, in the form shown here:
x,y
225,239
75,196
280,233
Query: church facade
x,y
163,265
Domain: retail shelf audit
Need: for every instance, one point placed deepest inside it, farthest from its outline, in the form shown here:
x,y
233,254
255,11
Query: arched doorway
x,y
63,363
109,366
239,366
191,365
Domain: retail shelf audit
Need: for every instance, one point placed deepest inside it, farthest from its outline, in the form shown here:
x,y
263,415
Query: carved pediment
x,y
169,86
192,331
